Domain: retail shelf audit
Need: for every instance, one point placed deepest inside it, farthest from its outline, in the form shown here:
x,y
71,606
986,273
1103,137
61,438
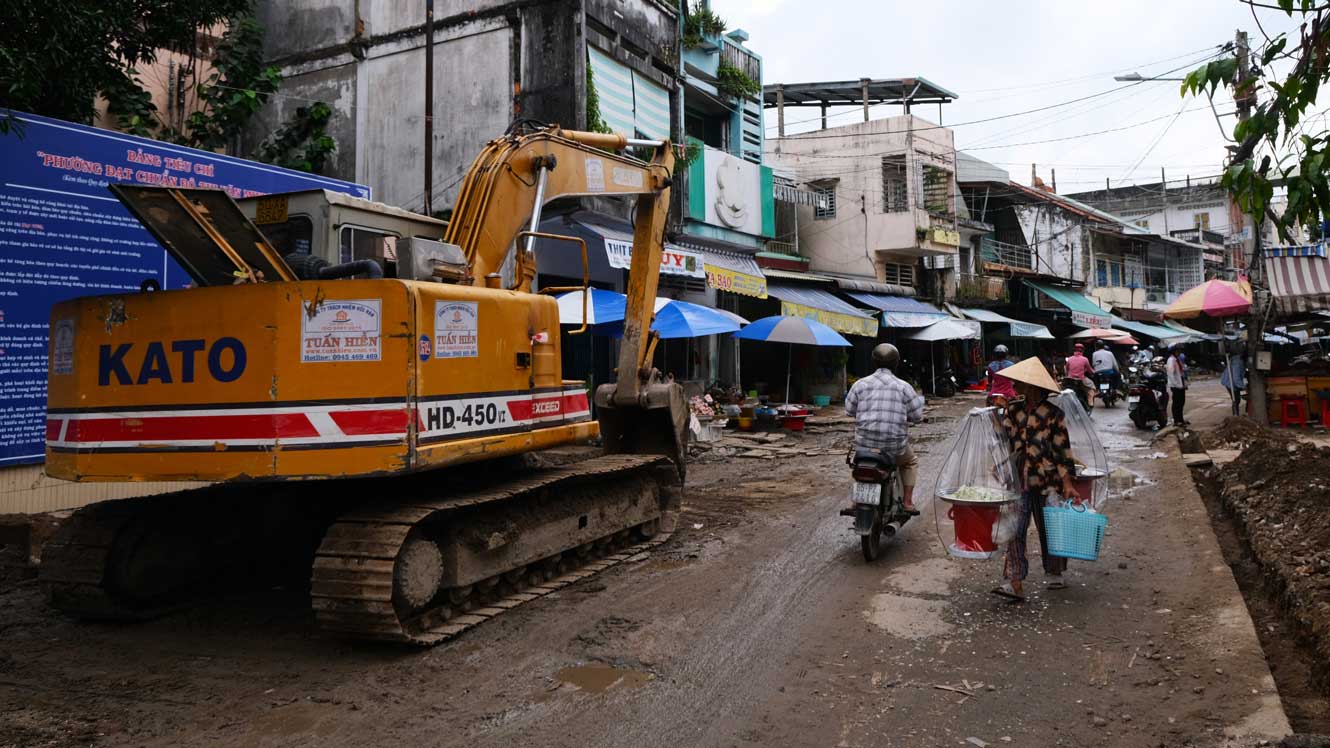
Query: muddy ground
x,y
757,624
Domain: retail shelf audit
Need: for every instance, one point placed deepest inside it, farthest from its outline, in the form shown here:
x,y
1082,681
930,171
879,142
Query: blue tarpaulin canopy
x,y
900,311
1158,332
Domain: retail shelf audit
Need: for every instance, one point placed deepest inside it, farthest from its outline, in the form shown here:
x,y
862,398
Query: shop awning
x,y
900,311
734,272
674,260
1299,277
1084,312
947,329
823,306
1019,329
1158,332
1190,332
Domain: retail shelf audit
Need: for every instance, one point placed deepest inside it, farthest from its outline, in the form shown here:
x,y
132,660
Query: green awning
x,y
1158,332
1084,312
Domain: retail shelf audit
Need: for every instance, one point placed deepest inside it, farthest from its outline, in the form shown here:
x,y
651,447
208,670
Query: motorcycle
x,y
944,384
877,509
1147,400
1082,394
1108,394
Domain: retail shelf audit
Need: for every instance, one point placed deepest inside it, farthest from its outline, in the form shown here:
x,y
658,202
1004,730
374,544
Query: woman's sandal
x,y
1055,584
1007,591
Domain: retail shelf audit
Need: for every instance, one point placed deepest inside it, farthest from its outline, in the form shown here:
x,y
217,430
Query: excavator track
x,y
382,571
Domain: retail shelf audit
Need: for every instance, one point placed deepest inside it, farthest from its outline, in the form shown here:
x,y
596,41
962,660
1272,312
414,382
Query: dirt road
x,y
758,623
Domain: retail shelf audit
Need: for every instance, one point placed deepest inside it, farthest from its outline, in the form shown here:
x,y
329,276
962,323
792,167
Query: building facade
x,y
495,61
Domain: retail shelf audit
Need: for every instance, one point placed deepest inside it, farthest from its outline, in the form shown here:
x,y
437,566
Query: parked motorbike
x,y
876,497
1147,400
944,384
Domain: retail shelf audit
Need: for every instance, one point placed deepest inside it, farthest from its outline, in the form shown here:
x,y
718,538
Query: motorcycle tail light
x,y
1136,391
868,474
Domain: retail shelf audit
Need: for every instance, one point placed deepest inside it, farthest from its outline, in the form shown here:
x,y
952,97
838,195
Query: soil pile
x,y
1237,432
1279,492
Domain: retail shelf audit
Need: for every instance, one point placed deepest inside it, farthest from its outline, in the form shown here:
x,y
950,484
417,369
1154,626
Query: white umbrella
x,y
947,329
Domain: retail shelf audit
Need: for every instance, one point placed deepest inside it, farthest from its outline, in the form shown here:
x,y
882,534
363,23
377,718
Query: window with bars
x,y
1201,221
897,274
936,194
821,213
895,185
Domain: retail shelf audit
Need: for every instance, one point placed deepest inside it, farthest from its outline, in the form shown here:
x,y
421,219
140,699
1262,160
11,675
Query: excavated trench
x,y
1288,637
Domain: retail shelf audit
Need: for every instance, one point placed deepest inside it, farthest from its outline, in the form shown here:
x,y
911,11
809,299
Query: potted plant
x,y
702,28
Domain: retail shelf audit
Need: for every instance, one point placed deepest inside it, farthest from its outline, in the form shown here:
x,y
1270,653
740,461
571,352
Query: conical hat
x,y
1031,371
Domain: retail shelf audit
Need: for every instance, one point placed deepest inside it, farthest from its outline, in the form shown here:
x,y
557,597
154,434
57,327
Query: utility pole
x,y
429,108
1260,299
1163,187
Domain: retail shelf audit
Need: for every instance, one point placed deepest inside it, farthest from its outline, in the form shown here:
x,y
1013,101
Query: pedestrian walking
x,y
998,384
1234,378
1041,448
1176,369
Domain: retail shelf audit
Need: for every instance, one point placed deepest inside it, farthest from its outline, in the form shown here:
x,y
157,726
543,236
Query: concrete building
x,y
1199,211
495,61
890,199
1048,240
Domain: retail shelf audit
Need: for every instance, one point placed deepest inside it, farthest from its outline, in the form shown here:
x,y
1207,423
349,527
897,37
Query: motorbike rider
x,y
1106,366
1078,368
998,384
883,406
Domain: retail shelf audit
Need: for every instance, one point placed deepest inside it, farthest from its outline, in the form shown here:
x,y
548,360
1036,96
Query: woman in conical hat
x,y
1042,449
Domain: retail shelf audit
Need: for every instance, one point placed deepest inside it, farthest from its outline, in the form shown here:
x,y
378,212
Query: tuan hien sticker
x,y
456,329
62,347
341,331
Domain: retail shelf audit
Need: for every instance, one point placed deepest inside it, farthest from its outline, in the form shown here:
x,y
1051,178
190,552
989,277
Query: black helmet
x,y
885,356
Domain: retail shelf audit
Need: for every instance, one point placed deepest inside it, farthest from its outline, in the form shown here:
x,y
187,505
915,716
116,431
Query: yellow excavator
x,y
397,416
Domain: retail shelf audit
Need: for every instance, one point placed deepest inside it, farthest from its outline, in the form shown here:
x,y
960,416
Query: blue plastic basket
x,y
1074,533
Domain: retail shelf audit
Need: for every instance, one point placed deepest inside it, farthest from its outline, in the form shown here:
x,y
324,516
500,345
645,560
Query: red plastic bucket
x,y
795,423
974,527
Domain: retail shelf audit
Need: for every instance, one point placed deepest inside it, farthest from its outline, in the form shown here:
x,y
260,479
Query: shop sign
x,y
1085,319
851,325
946,236
673,261
734,281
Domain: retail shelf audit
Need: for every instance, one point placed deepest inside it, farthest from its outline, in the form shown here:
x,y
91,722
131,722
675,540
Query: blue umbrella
x,y
682,319
601,306
785,329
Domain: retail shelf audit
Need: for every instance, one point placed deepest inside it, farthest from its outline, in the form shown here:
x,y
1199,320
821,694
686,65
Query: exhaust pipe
x,y
891,528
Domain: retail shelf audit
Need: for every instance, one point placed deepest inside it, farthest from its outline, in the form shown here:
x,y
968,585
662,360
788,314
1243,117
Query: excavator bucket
x,y
657,425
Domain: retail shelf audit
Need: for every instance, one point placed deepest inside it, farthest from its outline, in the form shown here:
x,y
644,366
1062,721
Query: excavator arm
x,y
503,194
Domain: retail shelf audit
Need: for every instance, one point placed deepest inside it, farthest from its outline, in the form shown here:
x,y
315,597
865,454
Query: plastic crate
x,y
1073,532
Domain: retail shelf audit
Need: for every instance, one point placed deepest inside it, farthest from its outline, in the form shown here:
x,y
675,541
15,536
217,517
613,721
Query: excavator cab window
x,y
293,236
360,243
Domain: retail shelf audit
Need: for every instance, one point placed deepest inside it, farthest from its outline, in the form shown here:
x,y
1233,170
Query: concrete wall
x,y
1057,238
494,61
851,157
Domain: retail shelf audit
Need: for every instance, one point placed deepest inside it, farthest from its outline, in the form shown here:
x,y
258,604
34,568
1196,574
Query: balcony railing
x,y
737,56
980,288
1001,253
783,248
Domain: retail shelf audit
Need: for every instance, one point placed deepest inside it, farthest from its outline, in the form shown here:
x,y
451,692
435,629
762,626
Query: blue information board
x,y
63,235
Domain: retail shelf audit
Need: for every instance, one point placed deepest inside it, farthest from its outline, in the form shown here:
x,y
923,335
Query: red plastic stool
x,y
1292,411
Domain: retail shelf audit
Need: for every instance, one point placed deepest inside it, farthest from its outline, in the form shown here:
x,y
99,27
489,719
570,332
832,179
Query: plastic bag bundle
x,y
979,482
1086,449
978,468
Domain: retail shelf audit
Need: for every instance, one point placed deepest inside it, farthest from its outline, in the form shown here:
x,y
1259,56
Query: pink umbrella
x,y
1213,298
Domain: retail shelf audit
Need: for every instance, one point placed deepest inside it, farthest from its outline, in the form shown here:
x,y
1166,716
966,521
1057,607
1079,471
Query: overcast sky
x,y
1014,55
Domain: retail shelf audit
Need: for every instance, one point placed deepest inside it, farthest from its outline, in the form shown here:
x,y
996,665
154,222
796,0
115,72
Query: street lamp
x,y
1138,78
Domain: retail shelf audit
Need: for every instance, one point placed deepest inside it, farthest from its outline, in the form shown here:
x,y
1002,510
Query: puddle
x,y
932,576
908,617
601,678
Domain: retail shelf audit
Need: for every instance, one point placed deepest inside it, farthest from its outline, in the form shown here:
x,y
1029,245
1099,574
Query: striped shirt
x,y
883,406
